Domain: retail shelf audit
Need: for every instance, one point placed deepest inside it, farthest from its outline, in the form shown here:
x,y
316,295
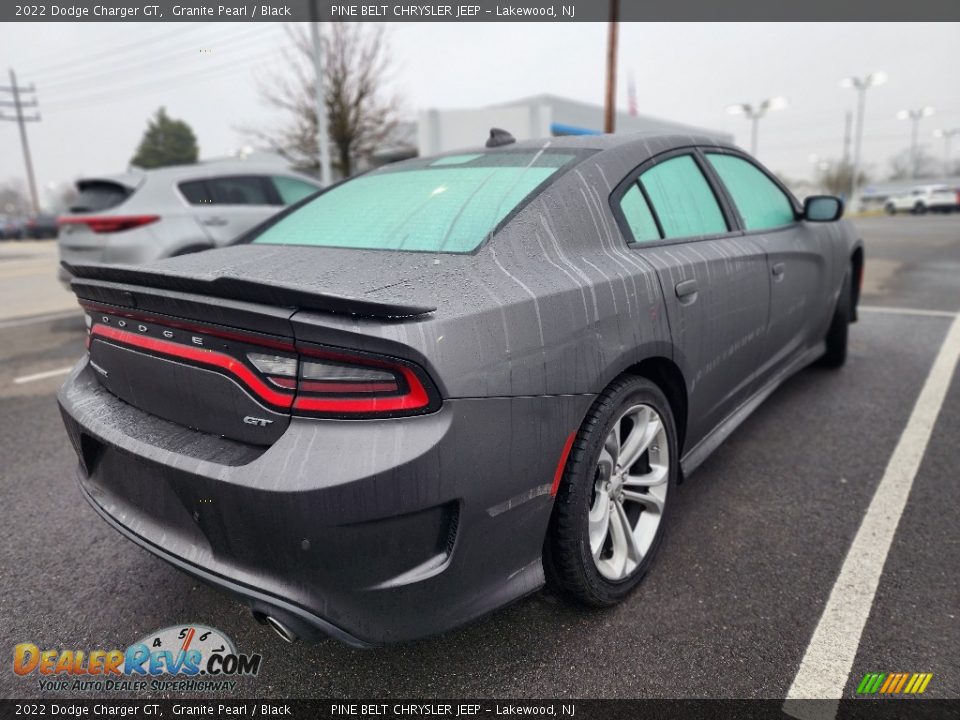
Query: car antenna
x,y
499,137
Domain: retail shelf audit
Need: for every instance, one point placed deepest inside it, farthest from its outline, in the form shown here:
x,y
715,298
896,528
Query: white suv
x,y
153,214
918,200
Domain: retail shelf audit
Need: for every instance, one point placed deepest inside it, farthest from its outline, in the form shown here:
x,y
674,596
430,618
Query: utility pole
x,y
914,116
323,139
848,123
609,109
18,105
947,136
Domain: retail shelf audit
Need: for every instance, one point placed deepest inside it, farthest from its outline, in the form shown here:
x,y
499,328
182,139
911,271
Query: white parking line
x,y
906,311
34,319
829,657
42,375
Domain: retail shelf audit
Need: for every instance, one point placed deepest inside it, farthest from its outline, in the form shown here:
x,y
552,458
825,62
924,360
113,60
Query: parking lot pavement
x,y
756,540
28,280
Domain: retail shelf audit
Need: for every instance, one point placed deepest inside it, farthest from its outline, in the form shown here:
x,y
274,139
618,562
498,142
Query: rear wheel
x,y
836,354
611,507
891,209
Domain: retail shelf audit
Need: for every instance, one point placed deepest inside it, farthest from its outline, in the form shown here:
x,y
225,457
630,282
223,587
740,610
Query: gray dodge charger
x,y
431,389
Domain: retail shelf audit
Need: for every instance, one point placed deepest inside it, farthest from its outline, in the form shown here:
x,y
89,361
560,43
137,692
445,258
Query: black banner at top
x,y
475,10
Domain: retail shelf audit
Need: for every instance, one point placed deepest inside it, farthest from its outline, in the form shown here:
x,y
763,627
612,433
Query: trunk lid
x,y
216,350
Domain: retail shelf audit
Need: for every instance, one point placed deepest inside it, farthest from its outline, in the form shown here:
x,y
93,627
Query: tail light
x,y
307,380
337,384
110,224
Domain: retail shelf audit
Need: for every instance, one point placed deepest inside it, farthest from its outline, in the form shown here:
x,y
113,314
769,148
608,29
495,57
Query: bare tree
x,y
901,165
359,117
835,177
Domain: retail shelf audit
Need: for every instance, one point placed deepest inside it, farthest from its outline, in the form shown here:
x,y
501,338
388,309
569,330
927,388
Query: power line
x,y
176,54
118,50
17,104
103,97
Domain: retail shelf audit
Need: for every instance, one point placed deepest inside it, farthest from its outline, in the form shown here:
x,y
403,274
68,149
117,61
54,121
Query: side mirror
x,y
822,208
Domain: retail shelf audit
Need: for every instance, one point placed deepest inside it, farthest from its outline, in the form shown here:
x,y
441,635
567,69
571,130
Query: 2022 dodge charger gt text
x,y
430,389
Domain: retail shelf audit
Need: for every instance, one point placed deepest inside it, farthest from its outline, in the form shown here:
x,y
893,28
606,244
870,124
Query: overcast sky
x,y
98,83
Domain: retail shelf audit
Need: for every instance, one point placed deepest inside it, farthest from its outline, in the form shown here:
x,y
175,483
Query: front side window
x,y
682,199
761,203
450,204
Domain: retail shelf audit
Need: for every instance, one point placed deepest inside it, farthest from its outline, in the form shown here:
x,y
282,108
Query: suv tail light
x,y
110,224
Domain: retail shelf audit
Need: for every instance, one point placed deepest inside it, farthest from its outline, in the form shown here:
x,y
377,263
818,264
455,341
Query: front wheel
x,y
891,209
836,354
611,508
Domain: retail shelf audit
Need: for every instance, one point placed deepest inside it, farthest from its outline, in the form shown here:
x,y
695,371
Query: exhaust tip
x,y
280,629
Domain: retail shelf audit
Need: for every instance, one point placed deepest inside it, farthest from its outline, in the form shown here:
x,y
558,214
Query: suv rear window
x,y
99,195
448,205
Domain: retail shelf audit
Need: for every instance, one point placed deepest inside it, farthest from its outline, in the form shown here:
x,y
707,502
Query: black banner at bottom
x,y
472,709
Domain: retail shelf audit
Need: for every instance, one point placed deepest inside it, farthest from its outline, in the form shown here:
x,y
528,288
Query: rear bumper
x,y
369,531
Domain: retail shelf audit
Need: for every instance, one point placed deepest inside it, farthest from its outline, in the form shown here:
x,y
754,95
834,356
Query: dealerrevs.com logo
x,y
191,658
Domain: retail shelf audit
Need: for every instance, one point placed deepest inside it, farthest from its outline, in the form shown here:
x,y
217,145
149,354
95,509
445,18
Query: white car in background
x,y
918,200
146,215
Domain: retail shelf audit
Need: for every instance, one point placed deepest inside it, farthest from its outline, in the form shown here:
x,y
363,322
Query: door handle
x,y
687,290
214,221
778,269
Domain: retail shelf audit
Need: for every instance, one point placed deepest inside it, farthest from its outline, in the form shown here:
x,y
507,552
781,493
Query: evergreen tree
x,y
166,142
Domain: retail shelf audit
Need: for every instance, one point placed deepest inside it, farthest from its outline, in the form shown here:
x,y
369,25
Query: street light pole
x,y
861,85
914,116
753,114
947,136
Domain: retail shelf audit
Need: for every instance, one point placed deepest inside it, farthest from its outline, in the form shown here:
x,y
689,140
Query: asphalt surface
x,y
757,537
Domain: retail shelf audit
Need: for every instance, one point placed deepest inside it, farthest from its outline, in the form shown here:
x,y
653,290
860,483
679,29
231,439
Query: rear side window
x,y
99,195
240,190
292,190
761,204
196,192
638,215
682,199
450,204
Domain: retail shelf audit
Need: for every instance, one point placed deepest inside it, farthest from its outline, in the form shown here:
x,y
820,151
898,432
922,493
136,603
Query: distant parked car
x,y
39,227
918,200
11,228
152,214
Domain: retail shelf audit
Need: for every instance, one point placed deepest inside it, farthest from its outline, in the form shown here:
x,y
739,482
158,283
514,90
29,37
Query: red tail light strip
x,y
199,355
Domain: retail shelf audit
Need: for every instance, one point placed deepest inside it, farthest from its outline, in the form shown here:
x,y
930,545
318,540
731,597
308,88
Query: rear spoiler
x,y
232,288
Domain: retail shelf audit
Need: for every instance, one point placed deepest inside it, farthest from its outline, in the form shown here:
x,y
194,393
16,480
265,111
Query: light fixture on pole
x,y
861,85
947,136
914,116
755,113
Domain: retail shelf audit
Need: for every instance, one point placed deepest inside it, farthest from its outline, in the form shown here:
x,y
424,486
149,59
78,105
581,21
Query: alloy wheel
x,y
629,492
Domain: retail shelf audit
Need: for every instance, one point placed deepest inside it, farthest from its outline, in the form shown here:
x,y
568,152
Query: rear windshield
x,y
99,195
448,205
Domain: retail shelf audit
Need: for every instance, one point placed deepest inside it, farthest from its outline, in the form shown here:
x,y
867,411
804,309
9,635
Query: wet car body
x,y
388,528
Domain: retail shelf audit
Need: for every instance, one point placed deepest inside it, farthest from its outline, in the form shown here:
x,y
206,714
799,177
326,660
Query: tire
x,y
919,209
836,354
891,209
569,559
